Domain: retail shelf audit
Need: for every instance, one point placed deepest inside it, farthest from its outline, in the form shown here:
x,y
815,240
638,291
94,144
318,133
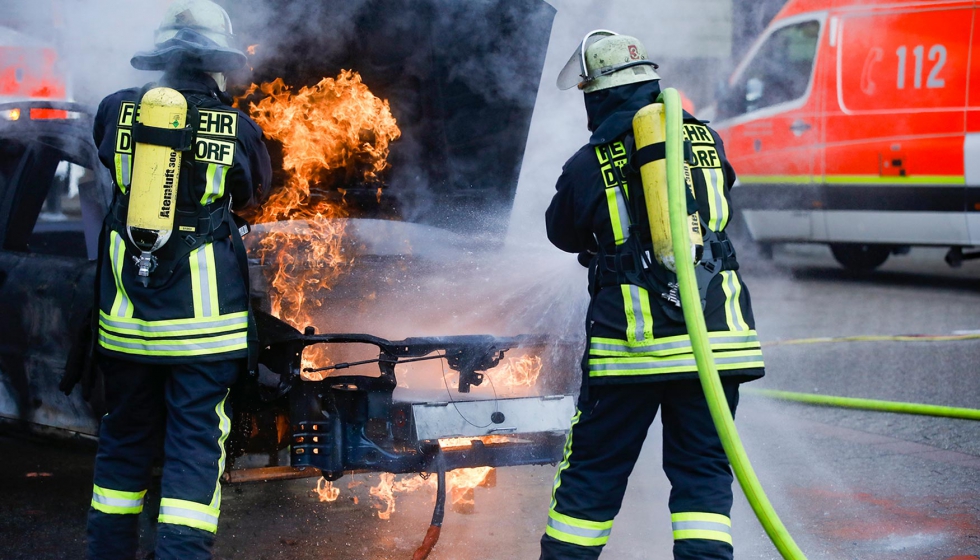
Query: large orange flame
x,y
334,135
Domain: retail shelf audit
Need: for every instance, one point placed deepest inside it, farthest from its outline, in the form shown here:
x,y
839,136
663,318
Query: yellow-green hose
x,y
871,404
694,317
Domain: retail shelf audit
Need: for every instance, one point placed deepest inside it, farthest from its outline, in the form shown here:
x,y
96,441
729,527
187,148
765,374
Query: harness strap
x,y
181,139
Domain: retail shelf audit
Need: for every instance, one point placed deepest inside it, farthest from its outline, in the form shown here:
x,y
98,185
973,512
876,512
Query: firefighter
x,y
173,328
639,357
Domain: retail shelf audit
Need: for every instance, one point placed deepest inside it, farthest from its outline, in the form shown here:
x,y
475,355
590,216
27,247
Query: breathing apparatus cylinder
x,y
649,128
156,175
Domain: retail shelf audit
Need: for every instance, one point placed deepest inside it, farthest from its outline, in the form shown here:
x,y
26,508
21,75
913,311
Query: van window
x,y
779,72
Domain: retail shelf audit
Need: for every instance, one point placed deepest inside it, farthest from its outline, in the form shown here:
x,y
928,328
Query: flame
x,y
334,135
519,372
326,491
251,49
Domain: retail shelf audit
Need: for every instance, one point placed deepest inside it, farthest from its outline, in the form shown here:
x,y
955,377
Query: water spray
x,y
694,318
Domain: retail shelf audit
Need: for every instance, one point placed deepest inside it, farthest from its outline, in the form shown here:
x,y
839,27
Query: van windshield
x,y
779,72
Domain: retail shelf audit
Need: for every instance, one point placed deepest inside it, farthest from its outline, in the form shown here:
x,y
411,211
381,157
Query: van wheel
x,y
860,257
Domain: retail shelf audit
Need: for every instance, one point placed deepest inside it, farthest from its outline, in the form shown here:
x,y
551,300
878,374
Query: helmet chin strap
x,y
219,78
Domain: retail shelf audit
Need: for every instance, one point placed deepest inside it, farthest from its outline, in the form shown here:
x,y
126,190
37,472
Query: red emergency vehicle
x,y
856,123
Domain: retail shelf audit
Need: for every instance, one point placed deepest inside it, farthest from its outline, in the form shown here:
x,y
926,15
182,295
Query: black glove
x,y
585,258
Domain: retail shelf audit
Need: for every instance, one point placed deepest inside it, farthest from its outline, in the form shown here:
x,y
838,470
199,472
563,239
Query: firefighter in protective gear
x,y
639,357
170,350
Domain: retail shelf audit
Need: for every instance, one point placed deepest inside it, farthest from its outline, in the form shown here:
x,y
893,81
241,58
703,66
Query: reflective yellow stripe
x,y
224,426
718,205
190,514
204,282
175,347
619,225
672,345
121,305
702,534
124,169
214,187
171,329
700,516
639,321
117,502
578,531
566,457
651,365
733,308
613,156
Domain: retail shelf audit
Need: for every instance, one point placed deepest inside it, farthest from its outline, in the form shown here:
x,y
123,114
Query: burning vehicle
x,y
372,259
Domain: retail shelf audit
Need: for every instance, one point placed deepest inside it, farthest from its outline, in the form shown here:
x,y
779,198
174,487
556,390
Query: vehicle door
x,y
770,123
895,126
52,203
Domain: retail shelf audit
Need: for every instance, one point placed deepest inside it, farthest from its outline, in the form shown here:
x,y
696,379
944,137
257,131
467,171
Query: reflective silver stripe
x,y
733,302
701,526
177,346
241,322
205,281
578,531
675,345
714,177
638,318
126,168
116,502
723,360
189,514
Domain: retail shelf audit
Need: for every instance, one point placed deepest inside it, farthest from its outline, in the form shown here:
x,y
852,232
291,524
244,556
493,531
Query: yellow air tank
x,y
649,127
156,174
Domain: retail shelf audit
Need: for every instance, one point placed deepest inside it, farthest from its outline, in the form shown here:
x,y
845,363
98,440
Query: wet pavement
x,y
848,484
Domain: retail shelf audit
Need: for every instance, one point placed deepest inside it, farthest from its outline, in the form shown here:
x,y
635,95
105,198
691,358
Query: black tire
x,y
860,257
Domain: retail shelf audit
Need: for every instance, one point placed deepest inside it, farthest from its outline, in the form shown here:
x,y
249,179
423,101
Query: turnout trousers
x,y
184,408
607,434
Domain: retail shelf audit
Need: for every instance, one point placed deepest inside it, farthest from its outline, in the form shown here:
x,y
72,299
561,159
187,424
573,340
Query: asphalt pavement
x,y
848,484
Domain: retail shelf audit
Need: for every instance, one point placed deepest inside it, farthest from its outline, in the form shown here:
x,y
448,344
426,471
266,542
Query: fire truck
x,y
856,123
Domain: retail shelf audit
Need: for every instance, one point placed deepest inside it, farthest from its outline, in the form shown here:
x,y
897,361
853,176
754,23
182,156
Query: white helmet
x,y
193,33
605,60
203,16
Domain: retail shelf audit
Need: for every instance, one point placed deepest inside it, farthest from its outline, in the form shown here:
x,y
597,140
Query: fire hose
x,y
721,415
438,512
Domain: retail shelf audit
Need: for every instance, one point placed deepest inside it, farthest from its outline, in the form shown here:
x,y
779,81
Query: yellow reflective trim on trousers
x,y
672,345
190,514
214,183
578,531
702,534
204,282
700,516
149,331
733,308
566,456
117,502
224,426
122,306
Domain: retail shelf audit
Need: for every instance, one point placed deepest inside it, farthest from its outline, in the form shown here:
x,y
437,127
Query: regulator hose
x,y
871,404
694,318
